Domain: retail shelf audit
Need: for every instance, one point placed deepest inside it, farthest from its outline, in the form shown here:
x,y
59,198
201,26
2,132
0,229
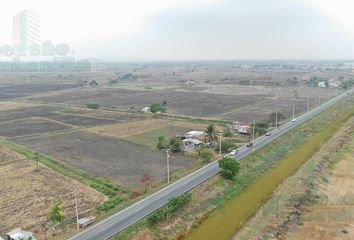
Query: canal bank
x,y
227,220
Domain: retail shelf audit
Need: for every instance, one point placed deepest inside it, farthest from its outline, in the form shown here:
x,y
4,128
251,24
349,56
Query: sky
x,y
193,29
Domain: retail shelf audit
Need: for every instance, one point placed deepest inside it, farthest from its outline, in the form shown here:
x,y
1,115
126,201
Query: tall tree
x,y
211,132
205,156
230,167
55,214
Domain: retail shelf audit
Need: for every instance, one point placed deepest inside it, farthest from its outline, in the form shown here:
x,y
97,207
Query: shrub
x,y
175,144
92,105
226,145
227,132
110,204
161,143
206,155
170,208
157,107
229,167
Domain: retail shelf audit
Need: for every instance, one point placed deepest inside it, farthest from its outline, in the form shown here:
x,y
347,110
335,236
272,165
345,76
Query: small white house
x,y
190,144
146,109
18,234
322,84
195,135
243,127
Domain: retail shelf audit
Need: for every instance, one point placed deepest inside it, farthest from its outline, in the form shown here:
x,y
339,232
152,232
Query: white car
x,y
294,120
233,152
268,134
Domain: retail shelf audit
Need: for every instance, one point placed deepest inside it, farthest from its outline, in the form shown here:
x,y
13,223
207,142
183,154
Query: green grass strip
x,y
226,221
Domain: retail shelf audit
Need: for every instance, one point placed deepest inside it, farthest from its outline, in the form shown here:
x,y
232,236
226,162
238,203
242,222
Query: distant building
x,y
243,127
18,234
199,135
146,109
25,32
190,144
322,84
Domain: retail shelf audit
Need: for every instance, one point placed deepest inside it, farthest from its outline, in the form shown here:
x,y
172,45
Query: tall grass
x,y
104,186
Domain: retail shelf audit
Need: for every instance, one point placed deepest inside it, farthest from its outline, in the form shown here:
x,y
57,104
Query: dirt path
x,y
334,218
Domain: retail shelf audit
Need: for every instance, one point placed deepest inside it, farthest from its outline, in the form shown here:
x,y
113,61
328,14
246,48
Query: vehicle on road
x,y
249,144
268,134
234,152
294,120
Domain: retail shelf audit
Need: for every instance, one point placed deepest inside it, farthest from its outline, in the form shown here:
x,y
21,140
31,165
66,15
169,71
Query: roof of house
x,y
19,234
194,141
195,133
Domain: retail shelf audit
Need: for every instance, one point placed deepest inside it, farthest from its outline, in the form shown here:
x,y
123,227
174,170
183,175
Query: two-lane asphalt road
x,y
119,221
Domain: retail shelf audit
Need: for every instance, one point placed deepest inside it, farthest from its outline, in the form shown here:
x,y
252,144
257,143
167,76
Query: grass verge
x,y
104,186
224,222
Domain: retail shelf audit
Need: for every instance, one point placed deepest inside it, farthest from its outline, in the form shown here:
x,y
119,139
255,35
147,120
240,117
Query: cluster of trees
x,y
204,154
292,81
229,167
174,144
170,208
261,128
227,132
347,84
158,107
273,116
226,146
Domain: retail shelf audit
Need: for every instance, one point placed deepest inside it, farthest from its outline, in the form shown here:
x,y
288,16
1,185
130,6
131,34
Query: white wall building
x,y
25,33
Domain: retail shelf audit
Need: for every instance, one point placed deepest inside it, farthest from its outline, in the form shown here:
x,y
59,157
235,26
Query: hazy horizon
x,y
184,30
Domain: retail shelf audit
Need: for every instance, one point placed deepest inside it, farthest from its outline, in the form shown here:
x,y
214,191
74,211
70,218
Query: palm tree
x,y
211,132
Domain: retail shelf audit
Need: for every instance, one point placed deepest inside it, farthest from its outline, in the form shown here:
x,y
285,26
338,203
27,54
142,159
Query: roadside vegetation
x,y
167,211
224,197
112,190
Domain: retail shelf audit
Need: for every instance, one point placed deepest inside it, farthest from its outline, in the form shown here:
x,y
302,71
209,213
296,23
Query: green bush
x,y
106,187
157,107
92,105
110,204
227,132
114,81
229,167
170,208
206,155
175,144
226,145
161,143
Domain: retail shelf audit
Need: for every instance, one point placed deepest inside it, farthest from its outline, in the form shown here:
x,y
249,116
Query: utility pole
x,y
77,213
168,165
308,103
220,144
254,129
319,100
78,152
276,119
293,111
